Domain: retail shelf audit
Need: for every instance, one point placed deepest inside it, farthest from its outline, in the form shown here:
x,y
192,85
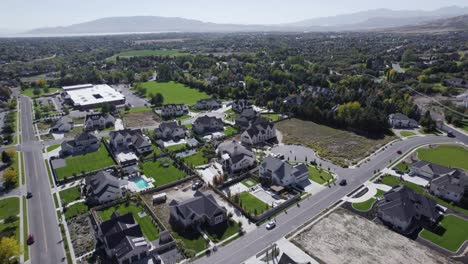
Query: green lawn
x,y
196,159
9,207
367,205
145,53
319,175
174,93
162,175
192,240
30,91
453,233
252,204
138,110
76,209
70,195
407,133
272,117
149,229
229,131
183,117
403,166
52,147
450,156
87,162
222,231
250,182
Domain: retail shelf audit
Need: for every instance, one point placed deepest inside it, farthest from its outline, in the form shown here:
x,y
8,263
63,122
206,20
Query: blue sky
x,y
26,14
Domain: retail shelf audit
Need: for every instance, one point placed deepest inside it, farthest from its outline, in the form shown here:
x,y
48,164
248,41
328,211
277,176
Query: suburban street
x,y
42,216
253,242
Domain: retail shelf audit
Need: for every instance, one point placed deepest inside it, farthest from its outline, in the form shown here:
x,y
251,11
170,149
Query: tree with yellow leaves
x,y
11,176
9,249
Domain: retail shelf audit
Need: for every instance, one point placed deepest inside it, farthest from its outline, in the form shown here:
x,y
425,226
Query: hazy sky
x,y
26,14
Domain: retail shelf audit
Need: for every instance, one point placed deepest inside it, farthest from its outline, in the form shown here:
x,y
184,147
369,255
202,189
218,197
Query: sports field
x,y
174,93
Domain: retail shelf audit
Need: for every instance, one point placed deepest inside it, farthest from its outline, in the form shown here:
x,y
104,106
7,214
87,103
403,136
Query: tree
x,y
157,100
11,152
36,91
9,248
11,176
5,157
428,123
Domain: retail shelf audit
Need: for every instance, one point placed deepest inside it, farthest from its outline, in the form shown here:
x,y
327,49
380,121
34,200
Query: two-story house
x,y
172,110
235,157
170,131
130,140
259,131
207,124
103,187
98,121
279,172
82,143
64,124
208,104
239,105
401,121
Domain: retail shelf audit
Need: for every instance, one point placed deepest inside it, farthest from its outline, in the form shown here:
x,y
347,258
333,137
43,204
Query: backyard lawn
x,y
196,159
192,240
174,93
8,207
319,175
407,133
450,156
453,233
272,117
147,227
222,231
175,148
69,195
367,205
160,173
87,162
252,204
250,182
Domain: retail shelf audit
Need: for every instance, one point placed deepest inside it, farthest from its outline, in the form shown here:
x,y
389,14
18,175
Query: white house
x,y
98,121
130,140
258,132
171,110
401,121
279,172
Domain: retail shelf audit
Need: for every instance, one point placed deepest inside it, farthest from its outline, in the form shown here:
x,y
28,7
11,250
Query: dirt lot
x,y
343,237
340,146
82,234
138,119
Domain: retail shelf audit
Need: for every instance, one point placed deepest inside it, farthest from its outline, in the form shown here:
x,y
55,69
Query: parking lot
x,y
131,98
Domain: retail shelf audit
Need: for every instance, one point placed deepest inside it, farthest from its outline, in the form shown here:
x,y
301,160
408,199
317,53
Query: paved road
x,y
42,216
253,242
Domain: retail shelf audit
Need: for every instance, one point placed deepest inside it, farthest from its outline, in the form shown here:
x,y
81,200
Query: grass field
x,y
30,92
162,175
150,231
367,205
252,204
196,159
454,232
146,53
407,133
69,195
222,231
174,93
76,209
450,156
319,175
340,146
87,162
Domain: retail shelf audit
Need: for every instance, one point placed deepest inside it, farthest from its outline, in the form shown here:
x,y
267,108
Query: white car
x,y
271,225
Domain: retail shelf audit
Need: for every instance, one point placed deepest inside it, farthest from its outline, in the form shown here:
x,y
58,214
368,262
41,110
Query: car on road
x,y
270,225
29,195
343,182
399,152
30,240
450,134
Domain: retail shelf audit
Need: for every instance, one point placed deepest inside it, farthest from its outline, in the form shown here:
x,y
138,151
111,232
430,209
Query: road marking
x,y
40,203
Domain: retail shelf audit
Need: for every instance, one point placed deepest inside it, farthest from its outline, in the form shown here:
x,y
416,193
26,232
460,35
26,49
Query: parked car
x,y
270,225
197,184
343,182
29,195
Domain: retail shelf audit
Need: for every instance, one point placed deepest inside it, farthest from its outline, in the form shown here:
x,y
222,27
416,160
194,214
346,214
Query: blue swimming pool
x,y
140,183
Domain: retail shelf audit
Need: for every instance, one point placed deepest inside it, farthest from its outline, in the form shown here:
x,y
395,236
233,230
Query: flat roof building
x,y
87,96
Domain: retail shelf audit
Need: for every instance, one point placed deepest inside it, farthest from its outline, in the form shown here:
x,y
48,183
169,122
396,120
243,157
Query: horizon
x,y
275,12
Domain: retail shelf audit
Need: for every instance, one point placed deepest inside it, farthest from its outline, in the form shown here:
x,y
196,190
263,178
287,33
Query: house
x,y
292,100
244,120
456,82
202,209
208,104
123,239
205,124
279,172
170,131
239,105
452,186
401,121
98,121
171,110
235,157
82,143
103,187
430,170
259,131
406,210
64,124
130,140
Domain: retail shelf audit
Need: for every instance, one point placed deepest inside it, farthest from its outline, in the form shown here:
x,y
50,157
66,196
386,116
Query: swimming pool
x,y
140,183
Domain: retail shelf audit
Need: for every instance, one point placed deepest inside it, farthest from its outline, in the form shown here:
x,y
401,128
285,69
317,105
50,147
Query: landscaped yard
x,y
403,167
250,182
450,156
192,240
8,207
196,159
229,131
367,205
52,147
30,91
175,148
340,146
252,204
453,233
85,163
222,231
319,175
149,229
145,53
76,209
407,133
69,195
162,171
174,93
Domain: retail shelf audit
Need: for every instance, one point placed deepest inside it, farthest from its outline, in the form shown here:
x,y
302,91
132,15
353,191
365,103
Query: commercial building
x,y
88,96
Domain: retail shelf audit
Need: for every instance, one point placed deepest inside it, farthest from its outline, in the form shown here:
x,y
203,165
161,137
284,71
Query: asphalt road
x,y
42,216
251,243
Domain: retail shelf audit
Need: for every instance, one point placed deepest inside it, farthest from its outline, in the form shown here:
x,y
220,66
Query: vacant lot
x,y
174,93
139,117
339,146
453,233
450,156
145,53
162,171
343,237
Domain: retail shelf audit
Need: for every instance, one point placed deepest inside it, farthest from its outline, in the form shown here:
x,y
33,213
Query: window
x,y
218,219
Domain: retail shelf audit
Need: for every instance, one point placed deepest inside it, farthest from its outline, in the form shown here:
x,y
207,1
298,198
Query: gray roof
x,y
97,116
103,182
434,168
63,124
198,206
136,137
399,116
206,120
259,126
456,182
235,149
281,168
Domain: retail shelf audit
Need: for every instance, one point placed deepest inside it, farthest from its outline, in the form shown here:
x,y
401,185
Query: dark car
x,y
197,184
343,182
399,152
30,240
29,195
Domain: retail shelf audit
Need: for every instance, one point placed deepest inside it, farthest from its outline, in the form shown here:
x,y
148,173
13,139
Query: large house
x,y
208,104
123,239
279,172
259,131
235,157
171,110
98,121
294,100
406,210
202,209
82,143
130,140
401,121
206,124
451,187
430,170
103,187
170,131
64,124
239,105
247,117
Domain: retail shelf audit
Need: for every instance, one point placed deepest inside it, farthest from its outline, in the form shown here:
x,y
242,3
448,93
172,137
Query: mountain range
x,y
365,20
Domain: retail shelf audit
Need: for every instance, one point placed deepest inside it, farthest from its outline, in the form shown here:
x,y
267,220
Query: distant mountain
x,y
459,23
366,20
